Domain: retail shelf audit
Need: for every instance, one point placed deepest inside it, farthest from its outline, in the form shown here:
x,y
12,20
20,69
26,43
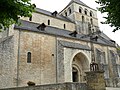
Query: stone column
x,y
95,80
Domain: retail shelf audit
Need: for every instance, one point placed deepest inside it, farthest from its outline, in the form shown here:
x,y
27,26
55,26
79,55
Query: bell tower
x,y
82,15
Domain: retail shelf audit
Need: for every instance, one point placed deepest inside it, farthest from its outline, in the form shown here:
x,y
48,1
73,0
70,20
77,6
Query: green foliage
x,y
112,8
12,10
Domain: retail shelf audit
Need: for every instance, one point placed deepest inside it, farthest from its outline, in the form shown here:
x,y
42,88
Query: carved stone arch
x,y
75,74
75,53
80,63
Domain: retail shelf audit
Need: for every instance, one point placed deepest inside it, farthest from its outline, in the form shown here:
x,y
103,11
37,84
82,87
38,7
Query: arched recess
x,y
83,19
91,21
80,9
75,73
70,10
91,13
80,65
86,12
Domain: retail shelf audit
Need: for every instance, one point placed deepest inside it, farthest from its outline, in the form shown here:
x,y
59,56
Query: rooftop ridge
x,y
45,12
78,2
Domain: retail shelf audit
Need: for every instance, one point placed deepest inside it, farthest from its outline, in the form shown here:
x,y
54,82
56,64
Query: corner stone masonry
x,y
95,80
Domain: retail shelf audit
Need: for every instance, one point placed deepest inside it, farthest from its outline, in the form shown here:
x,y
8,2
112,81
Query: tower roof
x,y
79,2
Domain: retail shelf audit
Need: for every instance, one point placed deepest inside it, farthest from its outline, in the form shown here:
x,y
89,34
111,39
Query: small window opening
x,y
65,13
91,14
85,12
48,22
29,57
83,19
64,26
80,11
91,21
75,75
69,10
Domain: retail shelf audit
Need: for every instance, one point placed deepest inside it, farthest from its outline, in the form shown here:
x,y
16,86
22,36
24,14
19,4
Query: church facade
x,y
52,47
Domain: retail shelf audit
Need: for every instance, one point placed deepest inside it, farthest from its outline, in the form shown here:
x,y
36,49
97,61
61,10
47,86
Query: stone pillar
x,y
95,80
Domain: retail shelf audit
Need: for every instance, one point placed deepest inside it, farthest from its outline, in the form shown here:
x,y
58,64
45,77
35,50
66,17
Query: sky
x,y
58,5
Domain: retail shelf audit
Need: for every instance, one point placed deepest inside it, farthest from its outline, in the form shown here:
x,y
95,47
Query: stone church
x,y
57,47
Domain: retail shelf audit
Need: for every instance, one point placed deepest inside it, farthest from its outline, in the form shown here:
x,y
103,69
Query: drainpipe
x,y
18,58
56,59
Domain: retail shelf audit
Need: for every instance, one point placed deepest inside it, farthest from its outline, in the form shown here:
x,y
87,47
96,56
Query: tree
x,y
12,10
112,8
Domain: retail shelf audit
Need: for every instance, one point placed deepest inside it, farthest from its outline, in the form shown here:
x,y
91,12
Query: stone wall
x,y
6,62
55,22
42,69
95,80
62,86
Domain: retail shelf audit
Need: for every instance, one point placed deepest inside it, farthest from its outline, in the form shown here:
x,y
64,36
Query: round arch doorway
x,y
80,65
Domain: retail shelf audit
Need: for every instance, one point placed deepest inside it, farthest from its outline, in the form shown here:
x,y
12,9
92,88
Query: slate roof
x,y
74,45
50,14
79,2
30,26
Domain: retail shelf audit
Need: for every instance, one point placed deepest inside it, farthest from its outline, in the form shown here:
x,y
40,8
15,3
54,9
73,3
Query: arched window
x,y
80,9
29,57
85,11
83,19
64,26
91,14
69,10
91,21
75,75
48,22
65,13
